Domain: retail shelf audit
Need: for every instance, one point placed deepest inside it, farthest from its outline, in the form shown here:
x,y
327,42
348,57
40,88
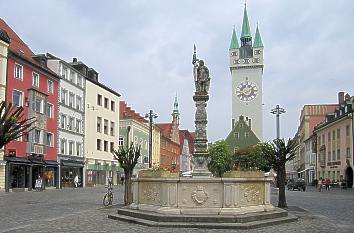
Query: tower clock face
x,y
246,91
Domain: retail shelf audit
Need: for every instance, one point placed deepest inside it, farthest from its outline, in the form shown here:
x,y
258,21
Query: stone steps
x,y
243,221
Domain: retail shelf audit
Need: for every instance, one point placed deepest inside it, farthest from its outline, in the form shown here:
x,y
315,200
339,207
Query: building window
x,y
50,110
329,156
112,128
78,102
50,86
323,139
64,94
71,99
63,146
241,125
105,127
79,81
98,145
106,102
72,76
338,133
17,98
37,136
319,140
99,124
18,71
236,135
50,139
334,135
146,159
99,100
347,130
78,148
113,105
247,134
338,154
71,123
121,141
35,79
39,105
63,121
112,146
64,72
71,147
333,155
329,136
348,153
105,146
78,126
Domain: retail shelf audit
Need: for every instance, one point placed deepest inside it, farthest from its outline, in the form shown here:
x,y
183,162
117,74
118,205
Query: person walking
x,y
76,181
327,183
319,186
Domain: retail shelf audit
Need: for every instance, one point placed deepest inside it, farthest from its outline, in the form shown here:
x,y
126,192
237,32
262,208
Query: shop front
x,y
98,174
69,169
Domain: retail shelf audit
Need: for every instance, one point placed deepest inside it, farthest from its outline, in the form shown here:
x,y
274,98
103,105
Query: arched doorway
x,y
349,176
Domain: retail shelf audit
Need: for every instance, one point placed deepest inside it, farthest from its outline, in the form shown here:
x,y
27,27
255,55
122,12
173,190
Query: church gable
x,y
241,136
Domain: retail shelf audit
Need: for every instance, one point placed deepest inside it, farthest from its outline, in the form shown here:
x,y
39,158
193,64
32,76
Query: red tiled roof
x,y
165,129
16,44
126,111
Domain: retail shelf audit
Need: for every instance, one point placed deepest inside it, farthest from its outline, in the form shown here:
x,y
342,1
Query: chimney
x,y
340,97
74,59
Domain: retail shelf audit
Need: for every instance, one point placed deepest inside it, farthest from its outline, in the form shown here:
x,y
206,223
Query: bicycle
x,y
108,197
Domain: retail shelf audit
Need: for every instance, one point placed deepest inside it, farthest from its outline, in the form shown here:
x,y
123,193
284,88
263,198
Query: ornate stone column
x,y
200,157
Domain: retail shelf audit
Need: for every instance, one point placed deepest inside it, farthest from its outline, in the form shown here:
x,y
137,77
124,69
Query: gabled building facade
x,y
33,86
241,135
170,150
133,128
71,124
101,128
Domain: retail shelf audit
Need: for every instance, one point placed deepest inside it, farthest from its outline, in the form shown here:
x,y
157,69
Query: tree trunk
x,y
128,195
281,182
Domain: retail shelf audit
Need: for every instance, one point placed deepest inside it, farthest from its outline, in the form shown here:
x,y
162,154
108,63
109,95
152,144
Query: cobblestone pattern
x,y
81,211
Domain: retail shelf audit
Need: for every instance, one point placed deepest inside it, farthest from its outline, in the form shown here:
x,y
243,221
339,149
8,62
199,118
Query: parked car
x,y
298,184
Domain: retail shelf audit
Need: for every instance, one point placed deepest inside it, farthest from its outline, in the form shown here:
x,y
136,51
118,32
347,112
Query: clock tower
x,y
246,67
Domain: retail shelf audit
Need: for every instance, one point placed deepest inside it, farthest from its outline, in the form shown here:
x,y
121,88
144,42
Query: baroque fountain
x,y
238,200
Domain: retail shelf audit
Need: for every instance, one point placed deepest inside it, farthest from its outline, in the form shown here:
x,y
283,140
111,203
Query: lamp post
x,y
277,111
151,115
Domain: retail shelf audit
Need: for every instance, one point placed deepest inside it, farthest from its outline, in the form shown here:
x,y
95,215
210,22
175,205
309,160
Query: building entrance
x,y
349,176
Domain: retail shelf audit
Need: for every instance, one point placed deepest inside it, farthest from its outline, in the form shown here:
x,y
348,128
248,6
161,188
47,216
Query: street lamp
x,y
151,115
277,111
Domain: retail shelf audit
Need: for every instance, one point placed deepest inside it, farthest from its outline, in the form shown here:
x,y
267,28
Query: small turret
x,y
258,39
234,42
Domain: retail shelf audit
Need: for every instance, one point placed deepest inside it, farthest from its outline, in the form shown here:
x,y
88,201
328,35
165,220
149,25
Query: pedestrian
x,y
319,186
327,183
38,185
122,180
76,181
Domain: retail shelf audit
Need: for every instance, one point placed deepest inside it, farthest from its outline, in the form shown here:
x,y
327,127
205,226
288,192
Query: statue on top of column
x,y
201,75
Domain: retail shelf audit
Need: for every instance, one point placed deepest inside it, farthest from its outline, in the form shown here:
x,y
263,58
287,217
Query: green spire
x,y
257,39
246,32
175,106
234,43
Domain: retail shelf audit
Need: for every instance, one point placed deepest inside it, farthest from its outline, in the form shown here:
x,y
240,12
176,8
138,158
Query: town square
x,y
173,116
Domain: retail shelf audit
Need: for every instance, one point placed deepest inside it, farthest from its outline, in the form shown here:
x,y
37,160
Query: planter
x,y
243,174
157,174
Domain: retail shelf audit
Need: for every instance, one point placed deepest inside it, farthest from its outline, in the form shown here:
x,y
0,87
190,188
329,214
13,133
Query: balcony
x,y
37,149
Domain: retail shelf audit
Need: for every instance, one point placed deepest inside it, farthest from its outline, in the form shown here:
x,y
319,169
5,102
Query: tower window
x,y
237,135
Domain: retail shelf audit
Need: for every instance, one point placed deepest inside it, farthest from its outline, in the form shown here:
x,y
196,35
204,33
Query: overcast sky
x,y
143,50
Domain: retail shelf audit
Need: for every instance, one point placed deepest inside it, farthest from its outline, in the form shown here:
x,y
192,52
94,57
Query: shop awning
x,y
72,164
17,160
51,163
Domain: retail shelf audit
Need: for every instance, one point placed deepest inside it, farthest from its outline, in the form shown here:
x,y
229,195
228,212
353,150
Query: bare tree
x,y
13,124
278,153
127,159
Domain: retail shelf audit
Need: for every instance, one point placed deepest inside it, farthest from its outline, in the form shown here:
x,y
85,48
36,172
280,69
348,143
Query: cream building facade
x,y
101,131
156,134
335,144
4,45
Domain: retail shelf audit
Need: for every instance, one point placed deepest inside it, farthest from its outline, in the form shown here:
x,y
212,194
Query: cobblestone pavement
x,y
80,210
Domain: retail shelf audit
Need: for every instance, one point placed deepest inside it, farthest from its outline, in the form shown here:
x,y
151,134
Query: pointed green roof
x,y
175,106
234,42
246,32
258,39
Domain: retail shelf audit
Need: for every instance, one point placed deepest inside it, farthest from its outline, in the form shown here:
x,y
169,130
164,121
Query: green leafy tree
x,y
251,158
278,153
220,158
127,159
13,124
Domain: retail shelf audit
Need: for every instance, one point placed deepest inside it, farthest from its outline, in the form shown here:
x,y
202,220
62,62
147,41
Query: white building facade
x,y
71,125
